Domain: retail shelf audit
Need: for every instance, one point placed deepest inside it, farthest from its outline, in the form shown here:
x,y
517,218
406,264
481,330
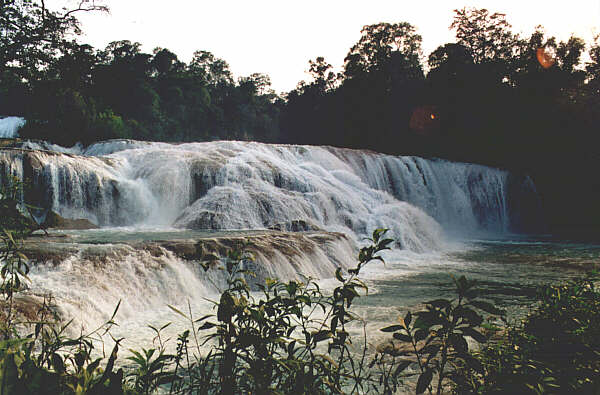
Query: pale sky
x,y
278,37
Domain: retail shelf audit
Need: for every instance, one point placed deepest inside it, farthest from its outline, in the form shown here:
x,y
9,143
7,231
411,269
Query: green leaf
x,y
402,337
392,328
427,319
487,307
338,274
226,306
408,319
469,315
402,365
206,325
57,363
291,348
421,334
79,359
334,323
177,311
198,320
321,335
459,343
477,336
377,233
424,381
116,310
93,366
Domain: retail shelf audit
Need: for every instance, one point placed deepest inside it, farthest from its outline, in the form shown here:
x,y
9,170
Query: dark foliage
x,y
528,104
292,338
555,349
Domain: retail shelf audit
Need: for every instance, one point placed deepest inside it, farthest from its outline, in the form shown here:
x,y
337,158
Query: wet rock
x,y
204,220
298,225
26,307
53,220
275,254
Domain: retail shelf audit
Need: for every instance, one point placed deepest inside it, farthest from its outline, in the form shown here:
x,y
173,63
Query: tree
x,y
322,72
31,35
210,68
487,36
568,55
592,67
374,51
75,67
544,64
451,57
256,83
122,80
165,62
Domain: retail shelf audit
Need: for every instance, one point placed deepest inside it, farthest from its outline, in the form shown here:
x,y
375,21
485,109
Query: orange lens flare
x,y
545,57
424,120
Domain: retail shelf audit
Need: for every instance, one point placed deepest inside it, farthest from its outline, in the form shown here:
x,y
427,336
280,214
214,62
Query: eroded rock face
x,y
89,279
284,255
55,221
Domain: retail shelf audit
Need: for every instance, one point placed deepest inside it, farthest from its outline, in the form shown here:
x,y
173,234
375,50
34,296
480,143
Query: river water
x,y
445,218
87,289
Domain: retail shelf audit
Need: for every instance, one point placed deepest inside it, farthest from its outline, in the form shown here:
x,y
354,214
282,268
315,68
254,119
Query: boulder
x,y
53,220
297,225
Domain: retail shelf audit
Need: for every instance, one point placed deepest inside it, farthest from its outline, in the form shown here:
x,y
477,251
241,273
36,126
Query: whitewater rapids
x,y
9,127
241,185
227,185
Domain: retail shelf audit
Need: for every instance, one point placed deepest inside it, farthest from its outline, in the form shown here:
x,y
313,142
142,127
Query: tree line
x,y
71,92
527,103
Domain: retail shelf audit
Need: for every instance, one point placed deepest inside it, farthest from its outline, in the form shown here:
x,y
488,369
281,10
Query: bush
x,y
438,339
108,126
292,338
555,349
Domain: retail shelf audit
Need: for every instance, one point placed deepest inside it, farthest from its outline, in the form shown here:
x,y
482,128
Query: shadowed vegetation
x,y
492,97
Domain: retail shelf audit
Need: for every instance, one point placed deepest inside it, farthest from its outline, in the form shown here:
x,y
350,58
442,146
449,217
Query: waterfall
x,y
9,127
87,280
247,185
341,194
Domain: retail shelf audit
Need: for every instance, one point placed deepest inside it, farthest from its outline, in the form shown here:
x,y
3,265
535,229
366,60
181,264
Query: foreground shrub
x,y
293,338
438,339
555,349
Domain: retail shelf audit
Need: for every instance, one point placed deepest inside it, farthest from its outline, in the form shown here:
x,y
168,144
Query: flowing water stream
x,y
306,208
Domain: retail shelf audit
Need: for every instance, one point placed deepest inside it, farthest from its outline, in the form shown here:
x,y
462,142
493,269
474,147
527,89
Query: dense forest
x,y
527,104
494,97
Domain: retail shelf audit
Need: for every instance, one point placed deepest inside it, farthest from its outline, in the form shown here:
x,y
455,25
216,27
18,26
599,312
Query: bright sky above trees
x,y
278,37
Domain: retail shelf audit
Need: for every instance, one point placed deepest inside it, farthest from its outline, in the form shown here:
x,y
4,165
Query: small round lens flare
x,y
545,57
425,120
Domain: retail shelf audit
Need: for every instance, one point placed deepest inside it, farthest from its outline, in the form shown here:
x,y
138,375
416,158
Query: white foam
x,y
240,185
10,126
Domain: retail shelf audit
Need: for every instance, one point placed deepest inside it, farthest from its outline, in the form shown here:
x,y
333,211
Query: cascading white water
x,y
10,126
240,185
462,197
91,280
88,291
